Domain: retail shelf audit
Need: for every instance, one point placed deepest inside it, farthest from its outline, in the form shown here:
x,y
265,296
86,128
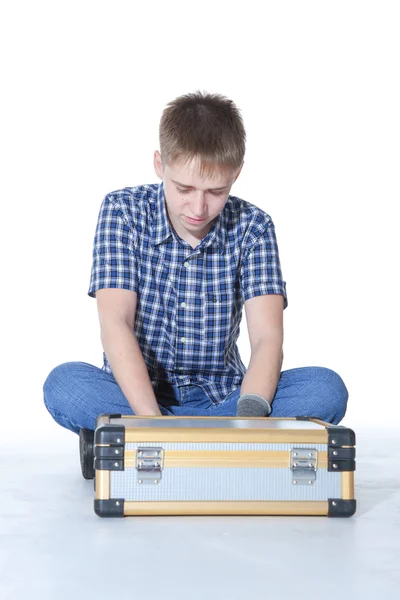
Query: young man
x,y
173,265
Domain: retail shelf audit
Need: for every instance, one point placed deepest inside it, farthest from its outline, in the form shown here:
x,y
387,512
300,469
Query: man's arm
x,y
117,309
264,370
264,315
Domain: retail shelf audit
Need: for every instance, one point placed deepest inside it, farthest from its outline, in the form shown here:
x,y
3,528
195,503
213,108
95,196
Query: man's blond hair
x,y
207,128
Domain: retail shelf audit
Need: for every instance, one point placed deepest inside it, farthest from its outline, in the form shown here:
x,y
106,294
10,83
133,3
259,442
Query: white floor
x,y
53,546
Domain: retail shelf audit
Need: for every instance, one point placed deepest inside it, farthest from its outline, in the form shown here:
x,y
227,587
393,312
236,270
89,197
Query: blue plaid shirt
x,y
190,301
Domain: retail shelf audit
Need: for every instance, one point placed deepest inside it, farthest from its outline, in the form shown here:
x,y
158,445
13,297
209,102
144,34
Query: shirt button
x,y
183,340
183,304
186,264
181,376
181,368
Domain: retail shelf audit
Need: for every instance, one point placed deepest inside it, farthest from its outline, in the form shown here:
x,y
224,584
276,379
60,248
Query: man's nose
x,y
199,206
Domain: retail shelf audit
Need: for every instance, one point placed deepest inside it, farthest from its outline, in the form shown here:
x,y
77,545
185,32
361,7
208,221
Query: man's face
x,y
188,196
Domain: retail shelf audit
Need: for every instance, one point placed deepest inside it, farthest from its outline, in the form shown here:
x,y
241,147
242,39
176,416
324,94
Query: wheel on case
x,y
86,439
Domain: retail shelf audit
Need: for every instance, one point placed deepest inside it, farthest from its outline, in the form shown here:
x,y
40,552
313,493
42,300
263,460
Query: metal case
x,y
222,465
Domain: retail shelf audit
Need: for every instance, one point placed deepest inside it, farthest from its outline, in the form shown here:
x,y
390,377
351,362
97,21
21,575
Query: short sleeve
x,y
261,270
114,251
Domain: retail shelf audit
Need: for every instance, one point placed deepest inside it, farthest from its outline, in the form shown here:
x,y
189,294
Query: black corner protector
x,y
341,508
110,434
110,452
303,418
338,435
340,453
340,466
108,464
115,416
109,508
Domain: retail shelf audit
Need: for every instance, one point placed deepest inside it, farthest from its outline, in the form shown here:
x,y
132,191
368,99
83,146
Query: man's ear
x,y
158,167
238,172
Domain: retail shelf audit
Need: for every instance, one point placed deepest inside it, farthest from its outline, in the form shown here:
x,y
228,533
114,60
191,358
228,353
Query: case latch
x,y
303,462
149,463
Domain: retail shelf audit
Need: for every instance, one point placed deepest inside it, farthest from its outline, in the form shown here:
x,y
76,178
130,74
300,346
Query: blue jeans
x,y
75,393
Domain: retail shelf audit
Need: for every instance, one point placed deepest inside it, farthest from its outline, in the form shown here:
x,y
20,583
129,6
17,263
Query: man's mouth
x,y
195,220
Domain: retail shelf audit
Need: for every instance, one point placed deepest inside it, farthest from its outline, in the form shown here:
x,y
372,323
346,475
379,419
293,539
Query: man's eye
x,y
187,191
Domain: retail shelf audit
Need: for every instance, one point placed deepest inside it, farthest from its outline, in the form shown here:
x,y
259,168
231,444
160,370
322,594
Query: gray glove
x,y
253,405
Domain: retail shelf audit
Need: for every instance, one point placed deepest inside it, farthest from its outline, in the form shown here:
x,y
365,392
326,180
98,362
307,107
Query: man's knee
x,y
334,393
55,386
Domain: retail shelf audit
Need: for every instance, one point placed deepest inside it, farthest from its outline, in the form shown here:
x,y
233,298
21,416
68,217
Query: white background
x,y
83,88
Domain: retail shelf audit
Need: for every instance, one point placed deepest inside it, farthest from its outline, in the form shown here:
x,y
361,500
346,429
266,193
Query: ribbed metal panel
x,y
225,484
211,483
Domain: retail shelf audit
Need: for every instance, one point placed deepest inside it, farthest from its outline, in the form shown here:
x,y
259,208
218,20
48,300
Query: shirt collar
x,y
162,229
